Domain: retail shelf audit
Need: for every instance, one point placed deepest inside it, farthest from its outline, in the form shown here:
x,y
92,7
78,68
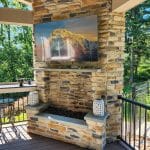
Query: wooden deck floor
x,y
23,141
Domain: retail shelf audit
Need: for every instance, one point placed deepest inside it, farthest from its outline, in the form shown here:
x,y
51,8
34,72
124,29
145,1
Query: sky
x,y
147,14
1,5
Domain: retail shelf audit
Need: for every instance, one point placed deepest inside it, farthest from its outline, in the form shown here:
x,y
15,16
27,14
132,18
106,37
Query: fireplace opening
x,y
66,113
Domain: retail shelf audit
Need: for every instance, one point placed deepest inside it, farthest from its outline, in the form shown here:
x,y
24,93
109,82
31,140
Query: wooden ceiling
x,y
117,5
124,5
21,17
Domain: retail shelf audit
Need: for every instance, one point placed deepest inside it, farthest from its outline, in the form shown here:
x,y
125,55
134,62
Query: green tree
x,y
139,49
15,48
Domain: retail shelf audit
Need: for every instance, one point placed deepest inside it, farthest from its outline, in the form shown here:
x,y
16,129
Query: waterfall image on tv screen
x,y
70,40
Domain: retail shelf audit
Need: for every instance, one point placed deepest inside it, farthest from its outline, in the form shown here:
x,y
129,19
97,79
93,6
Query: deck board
x,y
24,141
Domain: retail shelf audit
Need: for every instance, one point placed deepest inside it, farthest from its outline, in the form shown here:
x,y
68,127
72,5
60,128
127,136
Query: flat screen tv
x,y
67,40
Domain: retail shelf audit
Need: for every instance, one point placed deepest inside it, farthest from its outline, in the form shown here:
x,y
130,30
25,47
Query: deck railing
x,y
19,101
18,97
135,124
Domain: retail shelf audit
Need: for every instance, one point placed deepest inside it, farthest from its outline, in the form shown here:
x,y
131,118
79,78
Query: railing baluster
x,y
8,103
18,113
130,128
128,121
122,110
134,123
145,129
140,129
125,121
3,110
23,107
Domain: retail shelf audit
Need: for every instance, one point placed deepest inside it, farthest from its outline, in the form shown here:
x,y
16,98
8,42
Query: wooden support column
x,y
16,17
124,5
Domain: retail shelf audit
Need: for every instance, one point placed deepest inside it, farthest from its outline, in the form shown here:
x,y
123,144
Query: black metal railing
x,y
19,101
135,124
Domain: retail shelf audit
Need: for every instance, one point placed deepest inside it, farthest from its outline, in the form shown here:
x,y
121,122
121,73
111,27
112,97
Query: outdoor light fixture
x,y
98,107
33,98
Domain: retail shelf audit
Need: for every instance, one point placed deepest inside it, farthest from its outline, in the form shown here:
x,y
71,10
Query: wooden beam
x,y
16,17
124,5
26,2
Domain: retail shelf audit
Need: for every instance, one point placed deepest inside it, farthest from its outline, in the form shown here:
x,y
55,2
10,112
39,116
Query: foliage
x,y
19,118
138,28
15,48
144,69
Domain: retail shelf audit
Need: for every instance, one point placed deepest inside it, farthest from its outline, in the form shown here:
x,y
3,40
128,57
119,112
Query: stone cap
x,y
63,119
94,118
37,108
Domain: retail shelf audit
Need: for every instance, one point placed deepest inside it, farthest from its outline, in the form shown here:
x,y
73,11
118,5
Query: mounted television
x,y
69,40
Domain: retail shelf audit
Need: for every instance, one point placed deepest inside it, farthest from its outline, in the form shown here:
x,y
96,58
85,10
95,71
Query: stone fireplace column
x,y
112,43
108,82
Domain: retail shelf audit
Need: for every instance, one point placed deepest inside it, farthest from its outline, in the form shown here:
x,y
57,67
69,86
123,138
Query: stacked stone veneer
x,y
71,90
76,90
90,133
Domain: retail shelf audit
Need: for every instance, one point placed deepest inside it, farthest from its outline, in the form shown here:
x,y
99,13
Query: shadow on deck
x,y
24,141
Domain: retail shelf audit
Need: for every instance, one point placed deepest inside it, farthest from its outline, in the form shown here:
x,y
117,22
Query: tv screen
x,y
70,40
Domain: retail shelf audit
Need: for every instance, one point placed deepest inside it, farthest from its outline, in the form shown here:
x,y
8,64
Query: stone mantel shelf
x,y
69,70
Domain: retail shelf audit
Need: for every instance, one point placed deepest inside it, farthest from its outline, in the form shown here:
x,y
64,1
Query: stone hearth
x,y
89,133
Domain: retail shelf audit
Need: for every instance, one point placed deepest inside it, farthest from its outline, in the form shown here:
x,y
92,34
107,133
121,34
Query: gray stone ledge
x,y
94,118
39,107
64,120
